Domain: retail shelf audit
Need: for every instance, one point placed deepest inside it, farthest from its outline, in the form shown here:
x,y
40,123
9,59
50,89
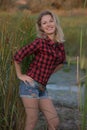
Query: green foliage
x,y
75,37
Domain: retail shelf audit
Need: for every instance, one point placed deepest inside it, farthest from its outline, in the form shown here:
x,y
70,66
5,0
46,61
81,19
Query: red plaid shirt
x,y
48,55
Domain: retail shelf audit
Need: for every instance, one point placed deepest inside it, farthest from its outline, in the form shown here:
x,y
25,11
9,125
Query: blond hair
x,y
59,36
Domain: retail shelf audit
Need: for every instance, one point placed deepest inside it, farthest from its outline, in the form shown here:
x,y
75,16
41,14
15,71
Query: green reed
x,y
83,60
75,44
82,100
84,106
12,36
84,109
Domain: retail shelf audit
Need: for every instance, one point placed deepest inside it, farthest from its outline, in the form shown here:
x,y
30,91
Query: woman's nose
x,y
48,24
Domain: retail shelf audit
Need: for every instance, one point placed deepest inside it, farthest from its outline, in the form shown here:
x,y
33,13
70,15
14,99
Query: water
x,y
54,87
62,87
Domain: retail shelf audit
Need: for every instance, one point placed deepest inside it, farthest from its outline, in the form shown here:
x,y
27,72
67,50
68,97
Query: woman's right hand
x,y
26,79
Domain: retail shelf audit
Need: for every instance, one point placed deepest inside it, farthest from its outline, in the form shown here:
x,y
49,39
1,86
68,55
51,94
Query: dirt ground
x,y
69,119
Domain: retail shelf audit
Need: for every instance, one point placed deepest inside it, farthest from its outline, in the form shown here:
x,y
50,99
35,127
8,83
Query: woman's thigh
x,y
48,109
31,107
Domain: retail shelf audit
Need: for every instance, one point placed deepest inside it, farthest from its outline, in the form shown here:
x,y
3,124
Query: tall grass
x,y
84,109
12,35
82,63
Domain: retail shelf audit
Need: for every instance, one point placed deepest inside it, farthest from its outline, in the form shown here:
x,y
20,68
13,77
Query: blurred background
x,y
38,5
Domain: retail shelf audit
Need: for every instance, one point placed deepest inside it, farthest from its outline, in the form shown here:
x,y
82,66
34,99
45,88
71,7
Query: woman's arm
x,y
21,76
21,54
27,50
58,67
18,69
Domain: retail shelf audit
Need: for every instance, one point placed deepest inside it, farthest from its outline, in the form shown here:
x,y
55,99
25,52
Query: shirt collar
x,y
49,41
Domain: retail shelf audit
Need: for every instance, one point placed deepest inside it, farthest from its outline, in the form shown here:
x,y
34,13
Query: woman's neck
x,y
52,37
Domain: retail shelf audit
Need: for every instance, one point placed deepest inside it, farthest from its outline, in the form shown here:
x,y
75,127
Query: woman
x,y
49,54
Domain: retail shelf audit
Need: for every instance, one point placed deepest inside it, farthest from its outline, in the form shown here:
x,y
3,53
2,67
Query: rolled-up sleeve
x,y
27,50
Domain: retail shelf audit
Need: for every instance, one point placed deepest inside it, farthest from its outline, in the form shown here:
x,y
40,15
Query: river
x,y
62,87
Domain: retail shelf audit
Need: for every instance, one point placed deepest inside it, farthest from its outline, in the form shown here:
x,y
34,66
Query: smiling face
x,y
48,25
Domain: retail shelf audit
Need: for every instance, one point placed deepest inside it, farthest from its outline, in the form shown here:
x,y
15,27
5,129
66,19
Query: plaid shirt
x,y
48,55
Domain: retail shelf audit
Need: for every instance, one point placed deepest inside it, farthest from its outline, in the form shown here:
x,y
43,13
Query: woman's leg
x,y
50,113
31,109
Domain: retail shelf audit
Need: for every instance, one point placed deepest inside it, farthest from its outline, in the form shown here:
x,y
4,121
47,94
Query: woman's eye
x,y
44,23
51,21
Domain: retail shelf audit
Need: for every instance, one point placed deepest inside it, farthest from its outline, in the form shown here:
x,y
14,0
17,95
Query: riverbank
x,y
69,119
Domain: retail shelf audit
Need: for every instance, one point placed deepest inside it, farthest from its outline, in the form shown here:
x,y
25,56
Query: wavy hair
x,y
59,36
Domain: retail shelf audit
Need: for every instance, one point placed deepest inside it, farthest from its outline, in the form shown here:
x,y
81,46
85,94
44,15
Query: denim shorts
x,y
32,90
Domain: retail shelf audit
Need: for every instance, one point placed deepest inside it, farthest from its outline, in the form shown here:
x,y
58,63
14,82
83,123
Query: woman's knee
x,y
31,118
30,122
